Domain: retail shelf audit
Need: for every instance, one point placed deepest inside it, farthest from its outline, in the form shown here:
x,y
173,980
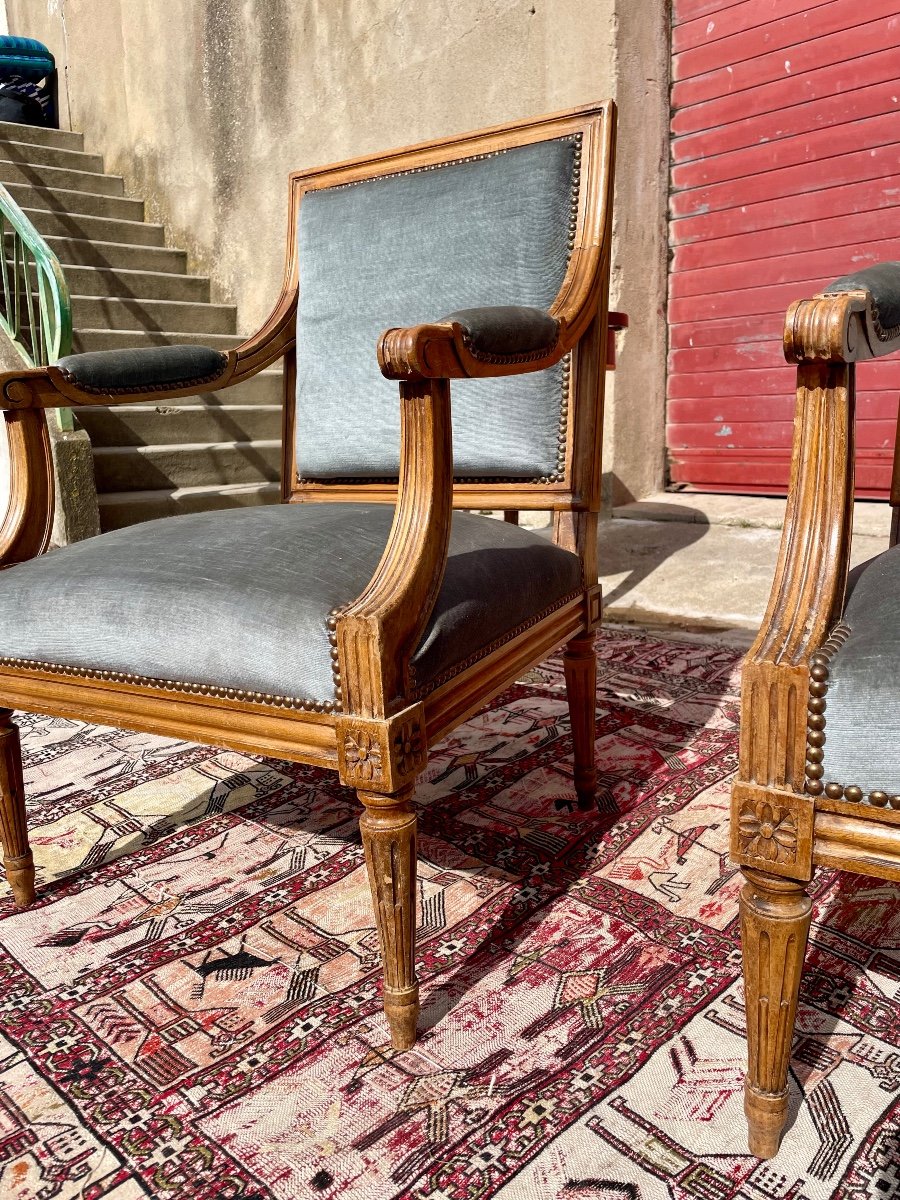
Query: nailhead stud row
x,y
819,672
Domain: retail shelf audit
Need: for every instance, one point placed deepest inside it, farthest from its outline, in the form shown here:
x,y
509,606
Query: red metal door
x,y
785,175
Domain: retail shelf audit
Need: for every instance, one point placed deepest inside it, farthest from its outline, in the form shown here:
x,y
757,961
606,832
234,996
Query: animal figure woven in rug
x,y
191,1008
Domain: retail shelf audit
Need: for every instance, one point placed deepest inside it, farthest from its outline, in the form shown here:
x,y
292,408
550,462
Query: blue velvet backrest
x,y
409,248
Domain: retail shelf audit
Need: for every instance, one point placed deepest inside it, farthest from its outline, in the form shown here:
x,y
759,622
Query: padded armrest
x,y
148,369
505,331
882,282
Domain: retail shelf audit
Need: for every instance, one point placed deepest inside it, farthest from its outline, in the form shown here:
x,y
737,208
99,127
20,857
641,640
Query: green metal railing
x,y
34,298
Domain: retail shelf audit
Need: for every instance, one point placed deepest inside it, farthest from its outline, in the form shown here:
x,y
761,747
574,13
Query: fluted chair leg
x,y
17,860
775,918
389,838
580,665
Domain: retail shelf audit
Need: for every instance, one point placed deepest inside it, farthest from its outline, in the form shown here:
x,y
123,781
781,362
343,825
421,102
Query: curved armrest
x,y
137,374
855,318
145,369
104,378
474,342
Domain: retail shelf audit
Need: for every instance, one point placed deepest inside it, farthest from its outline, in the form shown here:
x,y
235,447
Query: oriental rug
x,y
192,1008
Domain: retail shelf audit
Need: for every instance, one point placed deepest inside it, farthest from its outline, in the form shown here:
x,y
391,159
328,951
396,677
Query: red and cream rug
x,y
192,1009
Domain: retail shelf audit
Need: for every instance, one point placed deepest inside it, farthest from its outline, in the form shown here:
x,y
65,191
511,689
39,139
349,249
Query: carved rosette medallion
x,y
767,832
362,754
381,755
409,748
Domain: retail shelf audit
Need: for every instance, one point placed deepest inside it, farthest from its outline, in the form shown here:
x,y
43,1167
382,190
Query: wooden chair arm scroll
x,y
825,336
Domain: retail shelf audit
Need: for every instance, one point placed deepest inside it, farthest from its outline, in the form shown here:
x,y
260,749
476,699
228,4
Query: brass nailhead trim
x,y
331,627
528,356
172,685
884,335
819,670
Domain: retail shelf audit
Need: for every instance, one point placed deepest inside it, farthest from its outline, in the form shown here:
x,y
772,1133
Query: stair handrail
x,y
40,342
50,338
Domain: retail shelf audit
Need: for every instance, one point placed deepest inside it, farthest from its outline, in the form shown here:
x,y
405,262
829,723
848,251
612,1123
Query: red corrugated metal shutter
x,y
785,175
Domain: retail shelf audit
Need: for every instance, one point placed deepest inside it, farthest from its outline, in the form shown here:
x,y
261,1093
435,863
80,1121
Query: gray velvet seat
x,y
143,601
862,717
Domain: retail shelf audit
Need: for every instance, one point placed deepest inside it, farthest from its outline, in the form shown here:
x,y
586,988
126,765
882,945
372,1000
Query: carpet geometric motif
x,y
191,1010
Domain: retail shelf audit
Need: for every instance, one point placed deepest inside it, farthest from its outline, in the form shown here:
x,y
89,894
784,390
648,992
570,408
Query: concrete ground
x,y
705,561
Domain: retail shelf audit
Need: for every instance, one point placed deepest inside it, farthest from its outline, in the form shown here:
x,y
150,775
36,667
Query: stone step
x,y
151,316
65,200
191,464
61,177
38,135
79,250
147,285
118,509
117,339
97,229
177,423
34,154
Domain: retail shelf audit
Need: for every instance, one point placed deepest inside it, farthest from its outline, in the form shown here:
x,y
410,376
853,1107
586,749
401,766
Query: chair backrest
x,y
494,218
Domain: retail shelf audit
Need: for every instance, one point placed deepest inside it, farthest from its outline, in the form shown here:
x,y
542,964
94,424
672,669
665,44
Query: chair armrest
x,y
855,318
137,374
145,369
473,343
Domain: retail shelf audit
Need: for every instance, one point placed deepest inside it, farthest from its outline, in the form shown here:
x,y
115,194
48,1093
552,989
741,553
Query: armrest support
x,y
378,633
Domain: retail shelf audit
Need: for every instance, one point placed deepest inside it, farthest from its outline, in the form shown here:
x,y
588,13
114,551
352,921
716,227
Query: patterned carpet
x,y
192,1009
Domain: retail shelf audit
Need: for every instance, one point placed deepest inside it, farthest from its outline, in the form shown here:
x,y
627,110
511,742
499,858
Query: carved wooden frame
x,y
378,741
782,822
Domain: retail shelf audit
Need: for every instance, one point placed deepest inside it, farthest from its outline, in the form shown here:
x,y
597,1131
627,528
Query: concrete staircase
x,y
129,289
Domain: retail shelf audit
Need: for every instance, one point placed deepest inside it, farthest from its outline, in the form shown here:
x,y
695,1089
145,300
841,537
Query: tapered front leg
x,y
389,837
17,860
580,665
775,918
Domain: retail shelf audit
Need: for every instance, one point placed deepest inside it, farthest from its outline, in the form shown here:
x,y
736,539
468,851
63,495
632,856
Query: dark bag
x,y
19,104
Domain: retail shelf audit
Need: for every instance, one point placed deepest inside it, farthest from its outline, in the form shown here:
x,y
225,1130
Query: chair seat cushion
x,y
862,714
241,600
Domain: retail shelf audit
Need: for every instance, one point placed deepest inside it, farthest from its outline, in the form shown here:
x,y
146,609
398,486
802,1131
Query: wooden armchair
x,y
355,625
819,775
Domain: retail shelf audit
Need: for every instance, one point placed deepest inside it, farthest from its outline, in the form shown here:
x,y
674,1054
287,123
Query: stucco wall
x,y
205,105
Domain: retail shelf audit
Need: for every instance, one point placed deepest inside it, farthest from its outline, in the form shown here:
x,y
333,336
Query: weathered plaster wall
x,y
205,105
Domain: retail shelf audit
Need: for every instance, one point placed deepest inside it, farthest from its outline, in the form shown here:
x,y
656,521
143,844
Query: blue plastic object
x,y
25,58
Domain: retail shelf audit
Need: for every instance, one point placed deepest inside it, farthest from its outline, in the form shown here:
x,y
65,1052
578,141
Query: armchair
x,y
354,625
819,774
